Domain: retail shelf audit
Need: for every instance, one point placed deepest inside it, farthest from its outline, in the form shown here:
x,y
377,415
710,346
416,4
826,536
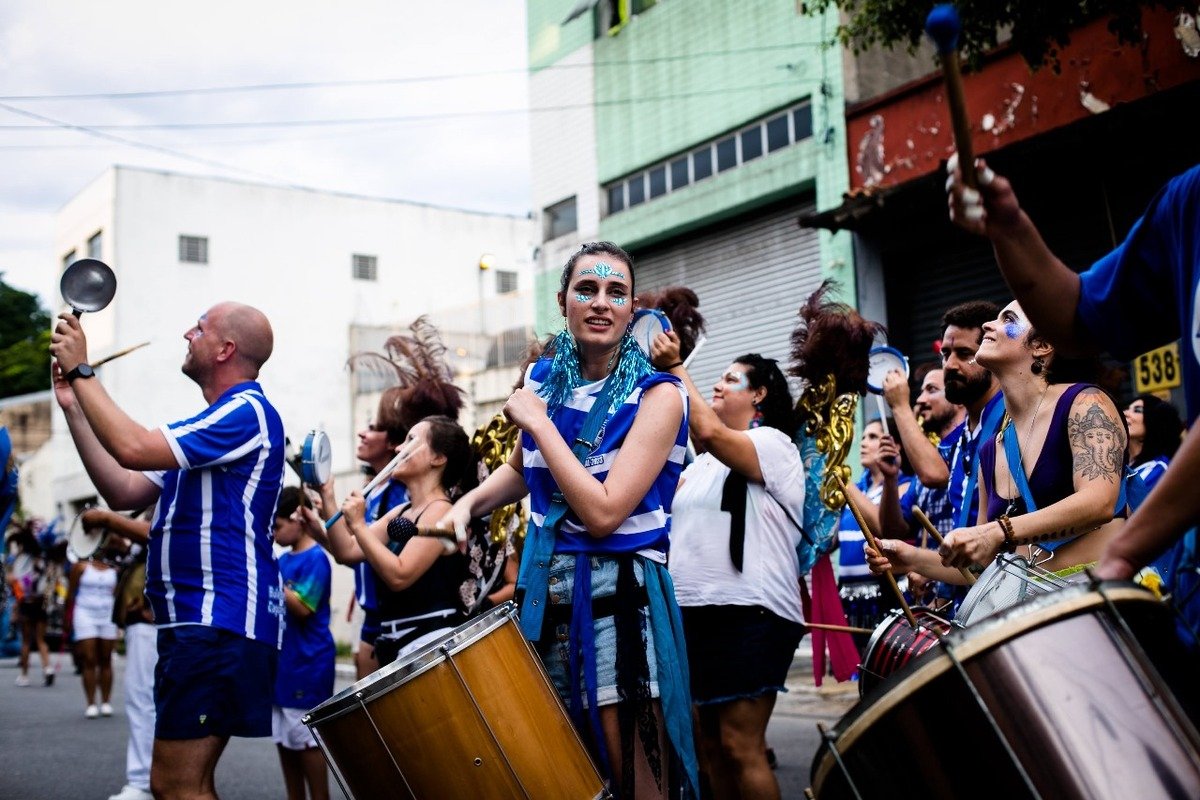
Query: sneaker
x,y
131,793
105,710
22,680
92,712
48,678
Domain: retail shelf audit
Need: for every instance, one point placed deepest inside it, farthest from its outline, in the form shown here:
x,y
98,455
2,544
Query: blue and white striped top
x,y
645,530
382,499
210,560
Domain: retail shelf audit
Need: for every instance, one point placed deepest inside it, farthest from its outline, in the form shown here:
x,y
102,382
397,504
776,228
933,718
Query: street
x,y
51,752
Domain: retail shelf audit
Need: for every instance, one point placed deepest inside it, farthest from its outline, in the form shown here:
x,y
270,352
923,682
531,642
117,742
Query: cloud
x,y
57,47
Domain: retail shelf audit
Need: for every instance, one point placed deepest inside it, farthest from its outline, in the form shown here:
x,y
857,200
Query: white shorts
x,y
92,626
288,731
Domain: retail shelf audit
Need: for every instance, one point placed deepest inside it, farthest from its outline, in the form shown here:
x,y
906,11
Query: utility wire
x,y
152,147
397,119
270,87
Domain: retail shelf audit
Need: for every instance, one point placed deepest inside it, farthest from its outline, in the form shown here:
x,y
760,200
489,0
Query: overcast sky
x,y
470,148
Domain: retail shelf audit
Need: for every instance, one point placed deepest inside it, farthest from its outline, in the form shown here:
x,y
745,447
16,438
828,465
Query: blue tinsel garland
x,y
565,376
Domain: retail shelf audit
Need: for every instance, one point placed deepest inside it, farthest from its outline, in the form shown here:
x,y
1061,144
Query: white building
x,y
334,273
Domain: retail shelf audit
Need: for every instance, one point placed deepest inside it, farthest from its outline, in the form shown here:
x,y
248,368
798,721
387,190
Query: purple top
x,y
1051,479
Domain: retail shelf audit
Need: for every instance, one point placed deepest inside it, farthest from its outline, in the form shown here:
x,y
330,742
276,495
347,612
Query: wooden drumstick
x,y
944,27
118,354
438,533
937,537
838,628
866,529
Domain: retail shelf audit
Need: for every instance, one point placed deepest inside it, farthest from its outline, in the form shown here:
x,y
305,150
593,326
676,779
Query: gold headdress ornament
x,y
830,352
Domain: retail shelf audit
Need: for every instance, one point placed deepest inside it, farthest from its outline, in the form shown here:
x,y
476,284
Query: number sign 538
x,y
1157,370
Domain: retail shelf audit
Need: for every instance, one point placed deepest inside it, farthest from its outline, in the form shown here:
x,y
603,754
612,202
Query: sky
x,y
454,73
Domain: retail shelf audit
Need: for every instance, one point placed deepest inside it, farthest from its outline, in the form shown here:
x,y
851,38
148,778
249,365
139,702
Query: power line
x,y
402,118
270,87
147,146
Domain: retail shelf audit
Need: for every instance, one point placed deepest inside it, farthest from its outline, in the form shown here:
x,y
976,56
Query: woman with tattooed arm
x,y
1068,442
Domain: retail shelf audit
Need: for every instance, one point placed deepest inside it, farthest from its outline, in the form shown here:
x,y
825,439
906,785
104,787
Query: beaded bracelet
x,y
1006,528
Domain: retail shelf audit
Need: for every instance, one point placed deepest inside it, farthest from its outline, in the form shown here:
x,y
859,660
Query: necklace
x,y
1012,481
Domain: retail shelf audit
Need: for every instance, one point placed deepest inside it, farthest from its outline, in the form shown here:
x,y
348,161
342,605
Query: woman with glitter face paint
x,y
734,532
1069,443
603,437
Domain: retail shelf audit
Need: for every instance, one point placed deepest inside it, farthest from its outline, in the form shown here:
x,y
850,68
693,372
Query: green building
x,y
695,133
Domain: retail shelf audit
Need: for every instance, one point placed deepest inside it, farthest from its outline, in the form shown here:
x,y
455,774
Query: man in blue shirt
x,y
212,580
1142,295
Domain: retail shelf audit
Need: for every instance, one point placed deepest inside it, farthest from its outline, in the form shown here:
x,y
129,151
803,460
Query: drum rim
x,y
316,458
888,349
983,636
899,612
385,679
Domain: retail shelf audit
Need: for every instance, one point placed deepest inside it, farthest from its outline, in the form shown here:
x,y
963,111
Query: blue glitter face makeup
x,y
619,301
1014,330
736,381
602,270
583,298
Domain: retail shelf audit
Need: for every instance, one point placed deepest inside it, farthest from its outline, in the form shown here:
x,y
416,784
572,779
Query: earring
x,y
1038,365
757,419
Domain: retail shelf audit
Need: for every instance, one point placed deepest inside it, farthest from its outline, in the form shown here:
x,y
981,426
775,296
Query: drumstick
x,y
944,26
383,475
937,537
839,628
118,354
862,523
438,533
696,349
882,412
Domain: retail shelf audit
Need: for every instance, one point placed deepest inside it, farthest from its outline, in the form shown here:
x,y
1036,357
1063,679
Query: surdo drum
x,y
1081,693
470,716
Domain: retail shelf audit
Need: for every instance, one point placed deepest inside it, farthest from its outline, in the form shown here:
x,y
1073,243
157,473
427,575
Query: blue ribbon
x,y
988,426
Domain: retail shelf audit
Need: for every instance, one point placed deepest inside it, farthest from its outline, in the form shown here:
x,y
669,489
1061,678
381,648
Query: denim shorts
x,y
555,648
212,682
737,652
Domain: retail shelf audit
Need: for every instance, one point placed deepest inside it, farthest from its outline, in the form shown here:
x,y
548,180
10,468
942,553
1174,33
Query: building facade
x,y
335,274
693,134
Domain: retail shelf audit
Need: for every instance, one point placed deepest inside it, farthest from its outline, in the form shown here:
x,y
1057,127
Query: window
x,y
783,128
777,133
637,189
193,249
506,281
679,173
702,163
802,119
752,143
68,259
95,245
658,181
727,154
364,268
559,219
616,198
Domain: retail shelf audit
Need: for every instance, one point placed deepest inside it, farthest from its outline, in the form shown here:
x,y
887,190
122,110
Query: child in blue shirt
x,y
306,660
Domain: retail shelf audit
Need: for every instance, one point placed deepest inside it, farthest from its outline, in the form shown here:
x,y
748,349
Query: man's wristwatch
x,y
82,371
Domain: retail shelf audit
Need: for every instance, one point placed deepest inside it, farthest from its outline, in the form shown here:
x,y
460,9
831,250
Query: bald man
x,y
211,577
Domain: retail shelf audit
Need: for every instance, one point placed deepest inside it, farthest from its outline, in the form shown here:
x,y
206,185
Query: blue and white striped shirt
x,y
646,529
210,560
382,499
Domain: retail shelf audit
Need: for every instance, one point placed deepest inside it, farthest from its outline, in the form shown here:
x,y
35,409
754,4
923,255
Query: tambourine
x,y
648,323
882,361
316,459
82,544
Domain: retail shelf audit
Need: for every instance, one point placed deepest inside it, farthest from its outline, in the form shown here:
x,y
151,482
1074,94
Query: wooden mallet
x,y
866,529
944,27
937,537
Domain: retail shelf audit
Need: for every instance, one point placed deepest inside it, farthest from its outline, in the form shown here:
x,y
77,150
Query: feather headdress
x,y
415,363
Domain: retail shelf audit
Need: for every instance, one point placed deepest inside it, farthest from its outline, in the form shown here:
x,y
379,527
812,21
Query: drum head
x,y
648,323
882,361
316,458
82,544
88,285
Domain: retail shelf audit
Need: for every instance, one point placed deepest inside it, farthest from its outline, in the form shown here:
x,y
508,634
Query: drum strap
x,y
988,425
533,579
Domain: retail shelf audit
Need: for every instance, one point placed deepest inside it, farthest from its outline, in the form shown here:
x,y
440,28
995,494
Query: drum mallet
x,y
944,26
937,537
866,529
838,628
383,475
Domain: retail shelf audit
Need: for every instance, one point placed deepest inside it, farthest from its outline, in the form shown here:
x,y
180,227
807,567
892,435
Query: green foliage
x,y
24,342
1039,28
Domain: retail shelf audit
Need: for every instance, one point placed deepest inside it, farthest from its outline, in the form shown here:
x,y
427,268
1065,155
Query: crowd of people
x,y
664,591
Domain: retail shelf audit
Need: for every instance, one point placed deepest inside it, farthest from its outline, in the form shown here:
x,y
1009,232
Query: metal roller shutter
x,y
751,275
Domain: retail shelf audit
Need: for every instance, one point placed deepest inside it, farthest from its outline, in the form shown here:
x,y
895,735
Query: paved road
x,y
49,751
